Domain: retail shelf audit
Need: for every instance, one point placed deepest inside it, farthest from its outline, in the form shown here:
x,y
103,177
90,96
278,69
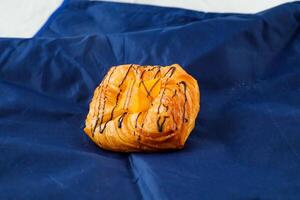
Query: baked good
x,y
143,108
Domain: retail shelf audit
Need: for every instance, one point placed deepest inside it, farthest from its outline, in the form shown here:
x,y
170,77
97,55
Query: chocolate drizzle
x,y
148,93
125,76
135,69
172,70
160,126
153,87
157,72
142,126
161,119
185,101
175,92
120,120
98,101
166,106
104,102
152,68
101,130
142,81
141,77
128,96
136,120
160,101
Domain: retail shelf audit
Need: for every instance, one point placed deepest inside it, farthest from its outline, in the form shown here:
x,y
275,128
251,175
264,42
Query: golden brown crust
x,y
143,108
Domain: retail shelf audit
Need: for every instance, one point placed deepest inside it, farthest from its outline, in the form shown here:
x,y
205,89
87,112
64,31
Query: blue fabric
x,y
246,143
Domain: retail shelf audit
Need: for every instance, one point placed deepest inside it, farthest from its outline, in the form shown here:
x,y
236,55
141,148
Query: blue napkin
x,y
246,142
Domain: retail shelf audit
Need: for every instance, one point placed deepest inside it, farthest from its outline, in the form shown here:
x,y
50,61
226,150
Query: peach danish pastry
x,y
143,108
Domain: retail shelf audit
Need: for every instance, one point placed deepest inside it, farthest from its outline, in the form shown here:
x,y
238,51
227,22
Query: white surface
x,y
23,18
232,6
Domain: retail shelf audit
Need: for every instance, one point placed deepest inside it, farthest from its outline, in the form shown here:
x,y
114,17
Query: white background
x,y
23,18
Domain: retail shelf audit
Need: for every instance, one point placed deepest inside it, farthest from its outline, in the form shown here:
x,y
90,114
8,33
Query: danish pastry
x,y
143,108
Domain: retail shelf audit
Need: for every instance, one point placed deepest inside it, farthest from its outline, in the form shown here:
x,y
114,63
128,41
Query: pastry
x,y
143,108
